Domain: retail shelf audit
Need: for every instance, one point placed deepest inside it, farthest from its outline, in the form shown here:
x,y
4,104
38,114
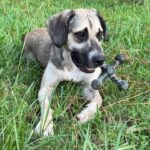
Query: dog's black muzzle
x,y
85,62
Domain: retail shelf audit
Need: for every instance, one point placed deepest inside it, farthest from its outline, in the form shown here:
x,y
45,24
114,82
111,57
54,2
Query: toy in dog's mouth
x,y
81,64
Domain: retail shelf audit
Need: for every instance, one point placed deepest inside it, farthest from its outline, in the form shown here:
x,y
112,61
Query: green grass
x,y
123,121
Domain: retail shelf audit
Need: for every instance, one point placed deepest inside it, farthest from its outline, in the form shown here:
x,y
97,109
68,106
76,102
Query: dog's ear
x,y
58,28
104,26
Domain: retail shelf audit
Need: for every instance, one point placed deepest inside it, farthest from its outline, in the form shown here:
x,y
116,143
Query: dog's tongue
x,y
87,70
90,69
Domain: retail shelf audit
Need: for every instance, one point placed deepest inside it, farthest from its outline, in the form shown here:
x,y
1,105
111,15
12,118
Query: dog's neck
x,y
60,57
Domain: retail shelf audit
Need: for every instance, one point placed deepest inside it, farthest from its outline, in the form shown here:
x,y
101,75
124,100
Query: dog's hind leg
x,y
48,84
27,53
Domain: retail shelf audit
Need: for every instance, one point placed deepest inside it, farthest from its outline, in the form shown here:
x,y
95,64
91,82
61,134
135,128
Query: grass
x,y
123,121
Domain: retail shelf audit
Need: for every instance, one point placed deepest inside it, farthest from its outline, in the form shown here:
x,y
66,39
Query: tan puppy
x,y
69,49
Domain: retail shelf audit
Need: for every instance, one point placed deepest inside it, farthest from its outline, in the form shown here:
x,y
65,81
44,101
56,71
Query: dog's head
x,y
81,31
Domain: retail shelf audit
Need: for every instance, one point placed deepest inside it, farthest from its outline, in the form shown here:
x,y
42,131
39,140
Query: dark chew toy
x,y
108,71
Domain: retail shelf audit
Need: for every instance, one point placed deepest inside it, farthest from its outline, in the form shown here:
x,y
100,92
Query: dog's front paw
x,y
85,115
48,131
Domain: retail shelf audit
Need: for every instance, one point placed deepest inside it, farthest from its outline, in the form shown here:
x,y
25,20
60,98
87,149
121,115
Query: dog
x,y
70,49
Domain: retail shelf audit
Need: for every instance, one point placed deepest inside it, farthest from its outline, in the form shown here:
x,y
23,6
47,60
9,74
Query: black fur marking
x,y
103,23
81,36
56,56
58,28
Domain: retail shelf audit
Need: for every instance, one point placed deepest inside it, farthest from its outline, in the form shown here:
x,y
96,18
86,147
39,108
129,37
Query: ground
x,y
123,122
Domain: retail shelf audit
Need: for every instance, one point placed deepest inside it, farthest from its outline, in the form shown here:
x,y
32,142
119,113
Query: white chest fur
x,y
73,74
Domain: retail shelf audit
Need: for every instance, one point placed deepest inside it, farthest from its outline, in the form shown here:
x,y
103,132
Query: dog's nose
x,y
98,60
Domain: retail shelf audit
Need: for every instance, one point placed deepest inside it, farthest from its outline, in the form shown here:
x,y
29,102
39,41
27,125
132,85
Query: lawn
x,y
123,121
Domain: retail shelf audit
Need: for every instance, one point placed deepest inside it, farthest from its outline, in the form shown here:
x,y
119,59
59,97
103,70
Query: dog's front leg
x,y
95,101
49,82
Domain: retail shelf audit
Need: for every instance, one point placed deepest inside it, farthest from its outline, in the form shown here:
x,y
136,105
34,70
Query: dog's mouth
x,y
87,70
82,67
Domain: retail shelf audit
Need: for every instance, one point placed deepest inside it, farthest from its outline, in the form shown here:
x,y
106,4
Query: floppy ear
x,y
57,27
103,24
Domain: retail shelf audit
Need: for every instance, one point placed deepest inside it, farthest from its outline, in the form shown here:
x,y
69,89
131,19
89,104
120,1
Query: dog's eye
x,y
81,35
99,35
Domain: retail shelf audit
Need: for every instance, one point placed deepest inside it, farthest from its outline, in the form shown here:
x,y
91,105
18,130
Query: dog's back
x,y
37,45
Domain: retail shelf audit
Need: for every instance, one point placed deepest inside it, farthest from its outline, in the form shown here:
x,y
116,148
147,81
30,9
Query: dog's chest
x,y
78,76
72,75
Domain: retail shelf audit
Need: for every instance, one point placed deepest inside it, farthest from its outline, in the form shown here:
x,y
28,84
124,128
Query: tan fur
x,y
39,44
